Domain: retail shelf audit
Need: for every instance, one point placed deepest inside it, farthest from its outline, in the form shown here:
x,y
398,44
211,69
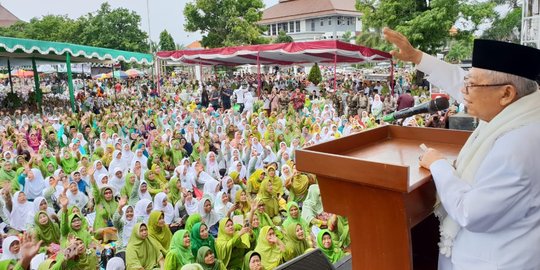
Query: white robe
x,y
499,214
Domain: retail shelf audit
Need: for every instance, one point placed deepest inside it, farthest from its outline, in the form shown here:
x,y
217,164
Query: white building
x,y
306,20
530,26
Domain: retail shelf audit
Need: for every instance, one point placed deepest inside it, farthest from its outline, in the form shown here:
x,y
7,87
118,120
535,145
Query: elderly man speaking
x,y
490,198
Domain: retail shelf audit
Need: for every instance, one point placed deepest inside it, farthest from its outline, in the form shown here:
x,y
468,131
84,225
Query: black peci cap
x,y
506,57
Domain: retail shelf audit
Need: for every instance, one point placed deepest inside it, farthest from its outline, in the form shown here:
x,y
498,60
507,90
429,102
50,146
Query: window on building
x,y
286,27
350,21
274,29
329,20
322,22
291,27
298,26
339,20
312,25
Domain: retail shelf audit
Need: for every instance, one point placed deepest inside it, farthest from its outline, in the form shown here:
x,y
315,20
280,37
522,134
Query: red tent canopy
x,y
324,51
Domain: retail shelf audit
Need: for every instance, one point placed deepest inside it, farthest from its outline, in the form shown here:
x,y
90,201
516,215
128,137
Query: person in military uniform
x,y
363,103
336,102
352,103
284,100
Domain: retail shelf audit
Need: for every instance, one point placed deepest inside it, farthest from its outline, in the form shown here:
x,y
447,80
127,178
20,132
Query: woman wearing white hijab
x,y
211,188
139,156
212,165
20,209
116,181
159,200
142,191
124,222
141,210
127,154
191,203
185,175
223,204
377,107
34,184
117,161
208,214
240,168
8,250
99,169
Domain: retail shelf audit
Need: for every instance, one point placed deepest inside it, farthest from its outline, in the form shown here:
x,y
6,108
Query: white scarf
x,y
522,112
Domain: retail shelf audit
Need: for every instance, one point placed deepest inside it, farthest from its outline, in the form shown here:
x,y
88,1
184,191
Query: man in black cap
x,y
490,198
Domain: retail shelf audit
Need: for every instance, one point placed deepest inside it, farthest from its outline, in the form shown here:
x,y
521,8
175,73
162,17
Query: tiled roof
x,y
6,17
296,9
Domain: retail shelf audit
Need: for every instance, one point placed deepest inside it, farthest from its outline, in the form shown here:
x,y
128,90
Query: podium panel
x,y
373,178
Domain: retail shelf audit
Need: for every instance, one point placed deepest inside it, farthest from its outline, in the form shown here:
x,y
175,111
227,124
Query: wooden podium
x,y
373,178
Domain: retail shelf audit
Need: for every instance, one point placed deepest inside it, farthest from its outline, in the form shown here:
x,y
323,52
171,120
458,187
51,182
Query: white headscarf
x,y
127,155
116,263
191,206
7,255
19,212
35,187
128,225
118,162
212,167
221,208
101,171
117,183
143,159
140,211
145,195
167,210
211,218
210,188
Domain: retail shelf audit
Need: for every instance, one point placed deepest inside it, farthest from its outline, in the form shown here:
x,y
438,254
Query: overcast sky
x,y
164,14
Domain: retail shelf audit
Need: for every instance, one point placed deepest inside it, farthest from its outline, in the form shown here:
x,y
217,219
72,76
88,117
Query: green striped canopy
x,y
56,51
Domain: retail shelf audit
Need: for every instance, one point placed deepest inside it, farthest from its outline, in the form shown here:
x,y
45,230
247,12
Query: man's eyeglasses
x,y
470,85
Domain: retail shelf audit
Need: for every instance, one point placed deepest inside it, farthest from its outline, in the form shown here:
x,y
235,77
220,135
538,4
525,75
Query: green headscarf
x,y
163,234
192,220
294,246
140,252
333,253
299,188
174,193
104,209
179,254
69,165
230,248
271,205
128,186
84,261
271,255
254,181
197,242
82,233
247,259
299,219
7,176
201,253
48,233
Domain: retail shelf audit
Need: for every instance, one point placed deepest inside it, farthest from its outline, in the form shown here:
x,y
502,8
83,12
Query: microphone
x,y
433,106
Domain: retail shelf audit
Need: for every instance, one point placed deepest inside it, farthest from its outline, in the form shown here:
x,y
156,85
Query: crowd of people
x,y
195,176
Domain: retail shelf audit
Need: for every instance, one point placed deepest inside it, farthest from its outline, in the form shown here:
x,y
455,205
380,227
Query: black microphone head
x,y
438,104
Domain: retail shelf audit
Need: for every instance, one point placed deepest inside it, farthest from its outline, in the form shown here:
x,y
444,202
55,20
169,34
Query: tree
x,y
283,38
426,25
226,22
506,28
115,29
347,37
315,74
460,50
166,41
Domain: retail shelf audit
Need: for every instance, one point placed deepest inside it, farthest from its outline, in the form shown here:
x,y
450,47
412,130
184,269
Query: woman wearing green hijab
x,y
206,258
45,230
230,245
68,162
180,253
175,193
72,225
296,241
154,186
128,186
252,261
143,252
192,220
158,230
8,175
293,215
105,205
267,196
328,247
201,237
85,258
270,248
